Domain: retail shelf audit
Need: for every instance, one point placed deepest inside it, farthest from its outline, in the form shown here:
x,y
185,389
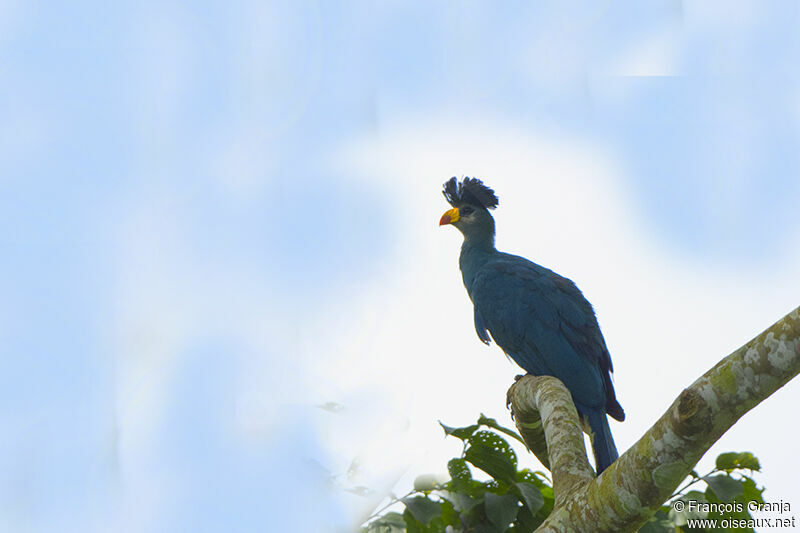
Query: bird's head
x,y
471,201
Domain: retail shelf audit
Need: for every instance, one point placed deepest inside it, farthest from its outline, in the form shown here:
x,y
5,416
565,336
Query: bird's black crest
x,y
469,191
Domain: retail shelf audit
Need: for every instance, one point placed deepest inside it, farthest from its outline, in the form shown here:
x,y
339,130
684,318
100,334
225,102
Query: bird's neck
x,y
478,242
475,252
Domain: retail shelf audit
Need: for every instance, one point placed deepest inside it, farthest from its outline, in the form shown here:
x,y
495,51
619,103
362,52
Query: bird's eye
x,y
466,210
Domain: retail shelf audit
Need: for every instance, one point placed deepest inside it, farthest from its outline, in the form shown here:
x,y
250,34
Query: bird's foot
x,y
510,392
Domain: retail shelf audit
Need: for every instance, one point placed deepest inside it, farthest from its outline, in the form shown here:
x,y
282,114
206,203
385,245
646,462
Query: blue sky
x,y
216,216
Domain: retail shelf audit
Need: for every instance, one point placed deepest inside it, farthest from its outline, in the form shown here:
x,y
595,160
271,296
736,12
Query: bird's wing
x,y
543,322
480,327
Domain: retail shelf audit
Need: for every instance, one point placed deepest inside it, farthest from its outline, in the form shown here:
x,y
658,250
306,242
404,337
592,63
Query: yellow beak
x,y
449,217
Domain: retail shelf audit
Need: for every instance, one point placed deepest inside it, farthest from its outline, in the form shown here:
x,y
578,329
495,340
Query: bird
x,y
540,319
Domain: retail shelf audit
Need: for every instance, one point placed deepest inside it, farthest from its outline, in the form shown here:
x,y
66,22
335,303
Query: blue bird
x,y
540,319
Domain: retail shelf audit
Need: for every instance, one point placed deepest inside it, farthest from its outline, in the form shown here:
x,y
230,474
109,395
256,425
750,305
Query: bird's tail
x,y
605,452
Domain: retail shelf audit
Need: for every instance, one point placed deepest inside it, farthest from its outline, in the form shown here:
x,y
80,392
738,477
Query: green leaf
x,y
657,526
459,471
540,481
423,509
724,487
412,524
658,523
461,433
449,515
526,521
483,528
501,509
531,495
681,518
734,460
492,454
463,502
492,423
751,492
389,523
473,516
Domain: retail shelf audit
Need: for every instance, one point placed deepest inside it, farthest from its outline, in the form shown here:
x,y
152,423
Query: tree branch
x,y
544,399
627,493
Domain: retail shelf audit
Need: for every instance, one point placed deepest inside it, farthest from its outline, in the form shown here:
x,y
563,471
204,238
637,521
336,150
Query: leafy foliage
x,y
519,500
510,500
729,490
